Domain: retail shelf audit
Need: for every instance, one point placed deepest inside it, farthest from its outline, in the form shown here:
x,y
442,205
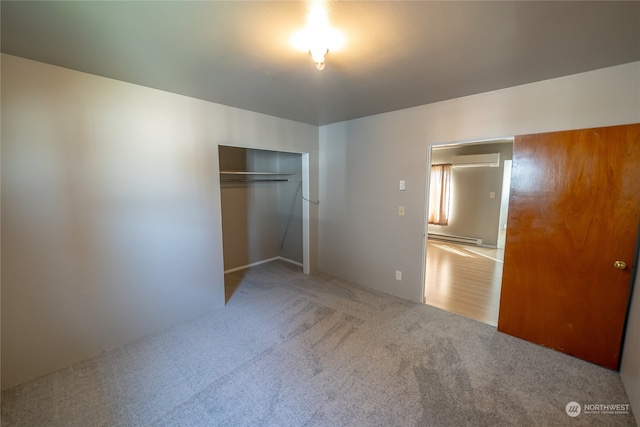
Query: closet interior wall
x,y
256,208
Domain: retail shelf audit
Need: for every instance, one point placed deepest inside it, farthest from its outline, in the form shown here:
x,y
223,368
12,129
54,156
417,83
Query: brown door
x,y
573,212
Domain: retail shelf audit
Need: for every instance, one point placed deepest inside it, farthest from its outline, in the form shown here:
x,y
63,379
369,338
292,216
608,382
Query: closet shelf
x,y
226,176
252,173
253,180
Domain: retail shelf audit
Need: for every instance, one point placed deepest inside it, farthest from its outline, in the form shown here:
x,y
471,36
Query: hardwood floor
x,y
464,280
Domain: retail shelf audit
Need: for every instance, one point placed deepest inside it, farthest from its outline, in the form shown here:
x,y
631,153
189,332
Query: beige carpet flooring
x,y
296,350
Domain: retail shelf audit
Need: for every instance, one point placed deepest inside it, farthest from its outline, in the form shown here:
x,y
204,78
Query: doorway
x,y
264,206
465,237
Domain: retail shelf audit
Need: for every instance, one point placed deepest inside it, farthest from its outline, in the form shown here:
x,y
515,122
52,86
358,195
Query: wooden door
x,y
574,211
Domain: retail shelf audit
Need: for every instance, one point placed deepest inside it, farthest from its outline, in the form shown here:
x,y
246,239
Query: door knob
x,y
620,265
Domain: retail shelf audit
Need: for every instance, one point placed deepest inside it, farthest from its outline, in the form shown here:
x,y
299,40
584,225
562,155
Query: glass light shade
x,y
317,37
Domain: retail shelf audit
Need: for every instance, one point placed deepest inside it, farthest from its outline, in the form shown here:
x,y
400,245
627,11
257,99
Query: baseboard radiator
x,y
456,239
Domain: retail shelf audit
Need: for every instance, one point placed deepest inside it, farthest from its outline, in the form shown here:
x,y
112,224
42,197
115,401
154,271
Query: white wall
x,y
111,222
111,208
362,238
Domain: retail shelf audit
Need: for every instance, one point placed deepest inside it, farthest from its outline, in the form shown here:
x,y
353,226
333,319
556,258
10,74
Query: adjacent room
x,y
320,213
467,225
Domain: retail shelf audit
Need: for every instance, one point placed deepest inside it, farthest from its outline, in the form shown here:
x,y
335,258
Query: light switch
x,y
492,195
402,186
401,210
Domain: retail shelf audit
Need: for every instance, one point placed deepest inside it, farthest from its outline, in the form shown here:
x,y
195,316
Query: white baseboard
x,y
264,261
253,264
290,261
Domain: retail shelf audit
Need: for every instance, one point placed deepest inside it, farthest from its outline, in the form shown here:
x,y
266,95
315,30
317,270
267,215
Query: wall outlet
x,y
402,185
401,210
398,275
492,195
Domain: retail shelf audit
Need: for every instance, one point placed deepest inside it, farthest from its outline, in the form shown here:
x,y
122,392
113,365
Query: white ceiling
x,y
398,54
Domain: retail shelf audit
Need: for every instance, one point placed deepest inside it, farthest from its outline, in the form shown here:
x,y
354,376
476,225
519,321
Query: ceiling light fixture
x,y
318,38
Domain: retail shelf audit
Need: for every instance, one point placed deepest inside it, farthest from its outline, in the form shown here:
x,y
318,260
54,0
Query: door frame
x,y
425,229
632,286
306,253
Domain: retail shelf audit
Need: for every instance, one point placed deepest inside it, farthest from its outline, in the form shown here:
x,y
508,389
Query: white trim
x,y
467,142
425,228
264,261
476,241
290,261
253,264
306,256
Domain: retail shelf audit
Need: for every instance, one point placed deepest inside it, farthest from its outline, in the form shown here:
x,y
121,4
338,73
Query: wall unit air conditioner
x,y
477,161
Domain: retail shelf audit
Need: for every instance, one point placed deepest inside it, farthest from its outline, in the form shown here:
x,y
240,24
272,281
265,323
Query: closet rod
x,y
254,180
253,173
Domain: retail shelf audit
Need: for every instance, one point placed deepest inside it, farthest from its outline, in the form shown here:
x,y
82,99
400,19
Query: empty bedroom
x,y
221,213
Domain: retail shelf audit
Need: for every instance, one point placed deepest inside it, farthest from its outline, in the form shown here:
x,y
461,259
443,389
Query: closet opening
x,y
264,213
467,203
